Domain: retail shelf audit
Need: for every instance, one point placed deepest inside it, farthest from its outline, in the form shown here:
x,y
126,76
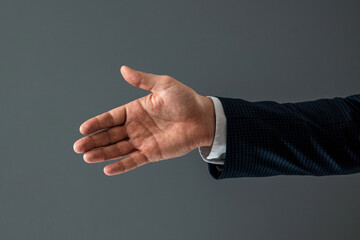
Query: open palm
x,y
169,122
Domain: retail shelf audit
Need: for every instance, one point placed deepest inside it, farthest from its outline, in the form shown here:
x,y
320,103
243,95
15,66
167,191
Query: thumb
x,y
139,79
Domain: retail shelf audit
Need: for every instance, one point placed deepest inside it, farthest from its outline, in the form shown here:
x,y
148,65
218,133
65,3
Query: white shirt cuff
x,y
216,153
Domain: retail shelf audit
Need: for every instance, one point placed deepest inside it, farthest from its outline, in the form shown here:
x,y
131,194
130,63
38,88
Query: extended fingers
x,y
100,139
114,151
134,160
109,119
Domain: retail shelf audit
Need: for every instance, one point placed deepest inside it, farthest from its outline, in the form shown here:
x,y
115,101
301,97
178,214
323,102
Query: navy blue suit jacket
x,y
266,138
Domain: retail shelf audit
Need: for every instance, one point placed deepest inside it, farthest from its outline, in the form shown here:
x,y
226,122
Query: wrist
x,y
208,122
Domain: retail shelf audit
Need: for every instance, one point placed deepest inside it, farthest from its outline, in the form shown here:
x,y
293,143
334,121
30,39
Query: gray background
x,y
60,65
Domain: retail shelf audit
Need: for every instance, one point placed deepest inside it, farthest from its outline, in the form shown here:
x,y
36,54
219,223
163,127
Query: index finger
x,y
114,117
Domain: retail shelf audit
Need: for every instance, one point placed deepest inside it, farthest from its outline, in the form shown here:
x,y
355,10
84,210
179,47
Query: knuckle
x,y
120,166
144,78
108,137
166,77
167,80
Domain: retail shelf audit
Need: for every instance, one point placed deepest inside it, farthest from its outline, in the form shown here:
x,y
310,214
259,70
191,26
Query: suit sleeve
x,y
318,138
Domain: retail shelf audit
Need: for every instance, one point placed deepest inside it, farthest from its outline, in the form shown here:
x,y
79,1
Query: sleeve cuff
x,y
215,154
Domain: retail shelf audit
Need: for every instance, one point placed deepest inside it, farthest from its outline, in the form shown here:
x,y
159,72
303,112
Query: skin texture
x,y
169,122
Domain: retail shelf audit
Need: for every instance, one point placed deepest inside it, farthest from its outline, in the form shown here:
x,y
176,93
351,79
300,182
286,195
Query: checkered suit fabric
x,y
266,138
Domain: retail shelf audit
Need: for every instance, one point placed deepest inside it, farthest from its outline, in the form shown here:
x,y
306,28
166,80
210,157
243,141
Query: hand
x,y
169,122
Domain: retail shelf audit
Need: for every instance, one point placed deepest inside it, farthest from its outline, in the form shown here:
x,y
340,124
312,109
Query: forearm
x,y
320,137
